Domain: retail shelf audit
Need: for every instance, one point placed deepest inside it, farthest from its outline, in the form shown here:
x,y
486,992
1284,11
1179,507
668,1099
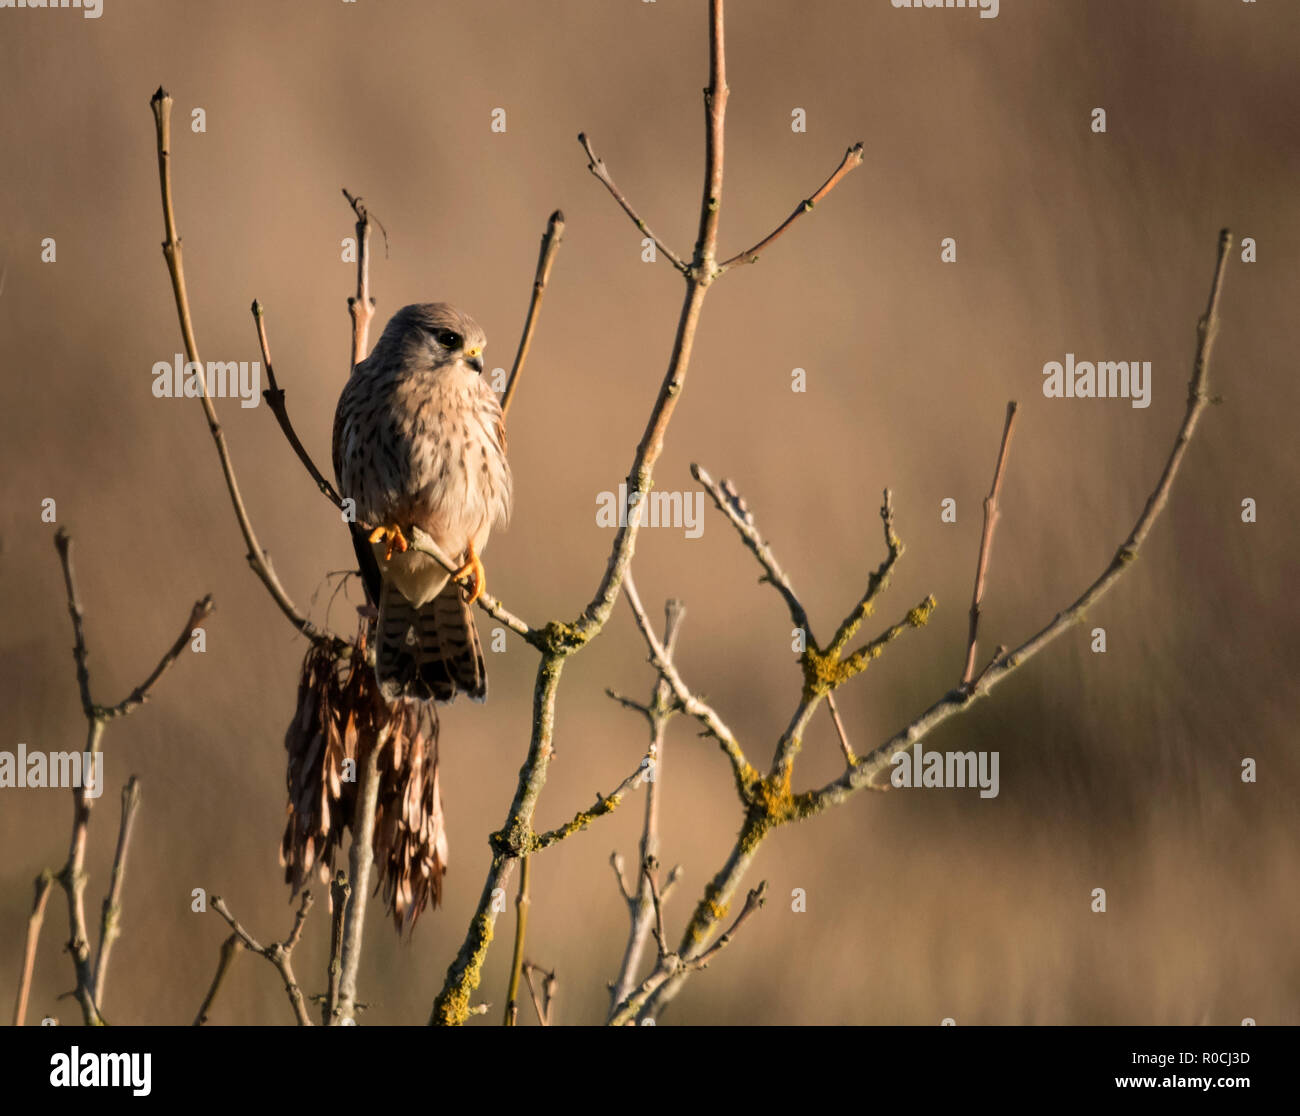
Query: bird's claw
x,y
393,536
473,574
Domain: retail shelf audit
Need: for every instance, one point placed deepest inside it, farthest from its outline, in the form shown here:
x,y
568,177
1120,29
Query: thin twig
x,y
137,697
544,1006
361,857
522,901
361,854
699,277
753,901
877,582
278,953
691,705
729,501
649,869
361,306
849,756
258,559
991,514
225,958
44,883
72,878
424,544
997,655
627,702
340,891
597,167
662,707
545,258
673,967
852,159
274,396
111,919
604,804
731,504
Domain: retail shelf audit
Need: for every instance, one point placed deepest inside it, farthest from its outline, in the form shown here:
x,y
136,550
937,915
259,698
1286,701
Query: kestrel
x,y
419,440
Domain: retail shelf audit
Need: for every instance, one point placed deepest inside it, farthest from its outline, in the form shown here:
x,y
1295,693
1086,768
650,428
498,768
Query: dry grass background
x,y
1119,771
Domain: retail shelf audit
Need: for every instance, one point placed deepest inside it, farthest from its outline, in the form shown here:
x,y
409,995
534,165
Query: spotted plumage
x,y
419,439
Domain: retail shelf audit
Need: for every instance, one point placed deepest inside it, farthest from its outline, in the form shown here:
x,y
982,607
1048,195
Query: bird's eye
x,y
448,339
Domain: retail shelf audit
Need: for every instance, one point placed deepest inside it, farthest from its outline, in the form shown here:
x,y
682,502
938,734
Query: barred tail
x,y
428,653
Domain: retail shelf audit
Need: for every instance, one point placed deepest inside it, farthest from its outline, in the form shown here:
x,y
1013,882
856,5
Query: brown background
x,y
1118,771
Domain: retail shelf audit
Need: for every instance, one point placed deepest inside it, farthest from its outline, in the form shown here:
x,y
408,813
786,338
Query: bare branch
x,y
361,306
869,770
63,543
597,167
274,396
733,506
997,655
604,804
699,276
72,877
693,706
877,583
278,953
522,901
559,640
616,863
44,884
715,115
225,958
543,1006
452,1004
627,702
849,756
649,868
756,898
673,878
257,557
662,707
110,921
137,697
361,858
546,257
423,544
852,159
991,515
673,968
340,892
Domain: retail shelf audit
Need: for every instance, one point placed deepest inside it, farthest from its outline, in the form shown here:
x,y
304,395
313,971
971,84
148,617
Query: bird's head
x,y
436,335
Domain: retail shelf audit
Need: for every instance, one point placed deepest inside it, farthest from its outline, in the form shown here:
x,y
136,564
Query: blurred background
x,y
1119,770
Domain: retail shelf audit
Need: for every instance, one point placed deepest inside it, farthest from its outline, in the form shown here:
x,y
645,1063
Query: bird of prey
x,y
419,440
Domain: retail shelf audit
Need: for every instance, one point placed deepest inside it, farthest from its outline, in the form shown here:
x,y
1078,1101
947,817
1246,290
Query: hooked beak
x,y
474,358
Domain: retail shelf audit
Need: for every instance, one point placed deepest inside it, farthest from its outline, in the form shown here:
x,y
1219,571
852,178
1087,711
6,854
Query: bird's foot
x,y
473,574
393,536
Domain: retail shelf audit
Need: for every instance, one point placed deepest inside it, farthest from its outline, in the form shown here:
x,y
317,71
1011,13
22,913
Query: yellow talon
x,y
394,537
477,576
